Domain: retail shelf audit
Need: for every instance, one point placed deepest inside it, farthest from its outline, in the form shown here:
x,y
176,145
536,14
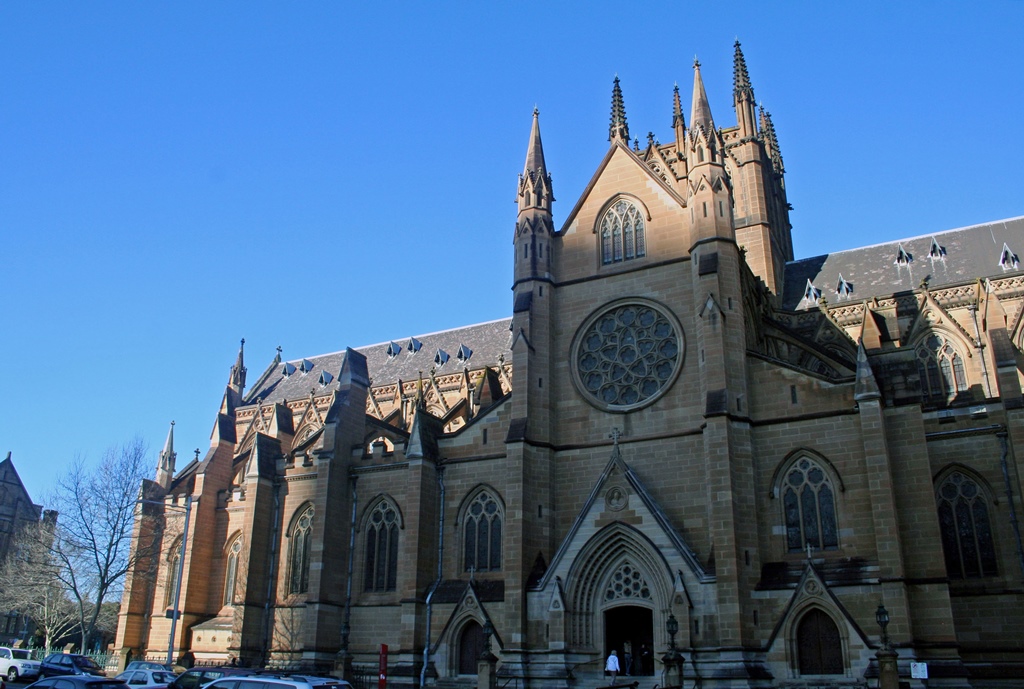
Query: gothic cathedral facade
x,y
683,439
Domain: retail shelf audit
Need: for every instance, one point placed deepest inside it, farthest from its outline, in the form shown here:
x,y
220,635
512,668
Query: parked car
x,y
201,676
59,664
78,682
17,663
147,678
148,665
273,680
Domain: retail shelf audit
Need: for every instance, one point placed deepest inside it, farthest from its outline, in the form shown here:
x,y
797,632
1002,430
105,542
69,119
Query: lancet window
x,y
622,233
941,369
381,573
482,534
171,578
966,531
809,504
231,571
300,542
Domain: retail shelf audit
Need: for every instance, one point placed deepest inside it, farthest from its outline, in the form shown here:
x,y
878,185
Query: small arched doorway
x,y
629,629
818,646
471,645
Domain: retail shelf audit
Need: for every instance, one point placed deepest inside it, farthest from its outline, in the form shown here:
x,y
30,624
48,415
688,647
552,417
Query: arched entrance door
x,y
471,645
630,629
818,646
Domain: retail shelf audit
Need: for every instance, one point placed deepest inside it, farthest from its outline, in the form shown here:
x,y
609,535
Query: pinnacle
x,y
618,130
677,108
740,77
535,150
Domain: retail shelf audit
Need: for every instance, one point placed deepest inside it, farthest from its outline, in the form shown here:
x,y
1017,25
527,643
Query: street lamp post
x,y
673,660
175,612
888,670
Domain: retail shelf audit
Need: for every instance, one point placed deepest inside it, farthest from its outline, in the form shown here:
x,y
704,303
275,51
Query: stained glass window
x,y
301,540
809,507
966,532
381,572
482,534
231,571
627,356
941,369
622,233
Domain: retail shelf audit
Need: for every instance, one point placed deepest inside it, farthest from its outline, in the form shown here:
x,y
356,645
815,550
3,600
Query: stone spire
x,y
700,113
743,96
619,130
678,123
535,183
165,464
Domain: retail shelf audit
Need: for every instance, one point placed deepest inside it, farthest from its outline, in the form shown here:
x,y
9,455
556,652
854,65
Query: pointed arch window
x,y
966,531
231,571
941,369
171,577
623,235
482,534
809,504
381,572
300,542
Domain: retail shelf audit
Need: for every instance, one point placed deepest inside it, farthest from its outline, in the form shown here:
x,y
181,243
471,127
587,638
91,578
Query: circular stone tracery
x,y
627,356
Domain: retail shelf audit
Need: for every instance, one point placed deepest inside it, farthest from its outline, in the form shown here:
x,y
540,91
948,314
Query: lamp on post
x,y
888,669
673,660
882,618
174,612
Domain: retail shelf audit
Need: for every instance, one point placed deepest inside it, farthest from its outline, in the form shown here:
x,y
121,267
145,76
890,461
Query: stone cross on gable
x,y
615,435
810,550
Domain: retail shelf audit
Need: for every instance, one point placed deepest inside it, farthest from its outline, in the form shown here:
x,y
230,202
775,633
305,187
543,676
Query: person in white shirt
x,y
612,665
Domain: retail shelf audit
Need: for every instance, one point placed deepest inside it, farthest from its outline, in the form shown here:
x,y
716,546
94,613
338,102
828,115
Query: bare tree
x,y
29,583
92,540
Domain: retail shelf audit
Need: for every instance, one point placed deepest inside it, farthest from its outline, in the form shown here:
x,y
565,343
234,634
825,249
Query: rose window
x,y
627,356
627,582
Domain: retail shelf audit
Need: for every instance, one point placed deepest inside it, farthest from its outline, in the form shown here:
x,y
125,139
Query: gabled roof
x,y
966,254
486,341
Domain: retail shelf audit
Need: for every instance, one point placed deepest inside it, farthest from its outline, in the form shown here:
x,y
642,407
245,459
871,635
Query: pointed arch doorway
x,y
630,628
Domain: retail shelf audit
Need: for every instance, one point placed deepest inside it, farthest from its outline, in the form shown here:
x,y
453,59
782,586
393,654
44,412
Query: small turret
x,y
700,111
618,130
710,190
771,143
165,463
743,96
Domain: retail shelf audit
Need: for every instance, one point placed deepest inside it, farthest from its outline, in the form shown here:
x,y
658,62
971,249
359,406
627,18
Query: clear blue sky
x,y
175,176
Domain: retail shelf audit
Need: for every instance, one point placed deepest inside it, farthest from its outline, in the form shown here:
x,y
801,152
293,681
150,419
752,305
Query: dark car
x,y
60,664
201,676
78,682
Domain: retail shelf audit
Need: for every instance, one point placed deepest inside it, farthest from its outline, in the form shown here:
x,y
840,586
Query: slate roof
x,y
487,341
966,254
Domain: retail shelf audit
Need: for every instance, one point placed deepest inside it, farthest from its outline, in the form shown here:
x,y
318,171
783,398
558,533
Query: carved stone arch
x,y
371,505
943,473
790,458
592,572
632,198
471,495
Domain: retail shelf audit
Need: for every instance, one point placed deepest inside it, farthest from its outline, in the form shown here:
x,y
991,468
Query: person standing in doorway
x,y
627,658
646,660
612,666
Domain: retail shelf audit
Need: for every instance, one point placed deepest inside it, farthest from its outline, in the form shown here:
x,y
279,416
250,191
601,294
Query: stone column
x,y
888,673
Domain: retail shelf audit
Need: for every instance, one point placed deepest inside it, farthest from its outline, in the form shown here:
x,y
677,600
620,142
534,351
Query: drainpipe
x,y
981,353
437,582
1002,435
346,626
270,574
